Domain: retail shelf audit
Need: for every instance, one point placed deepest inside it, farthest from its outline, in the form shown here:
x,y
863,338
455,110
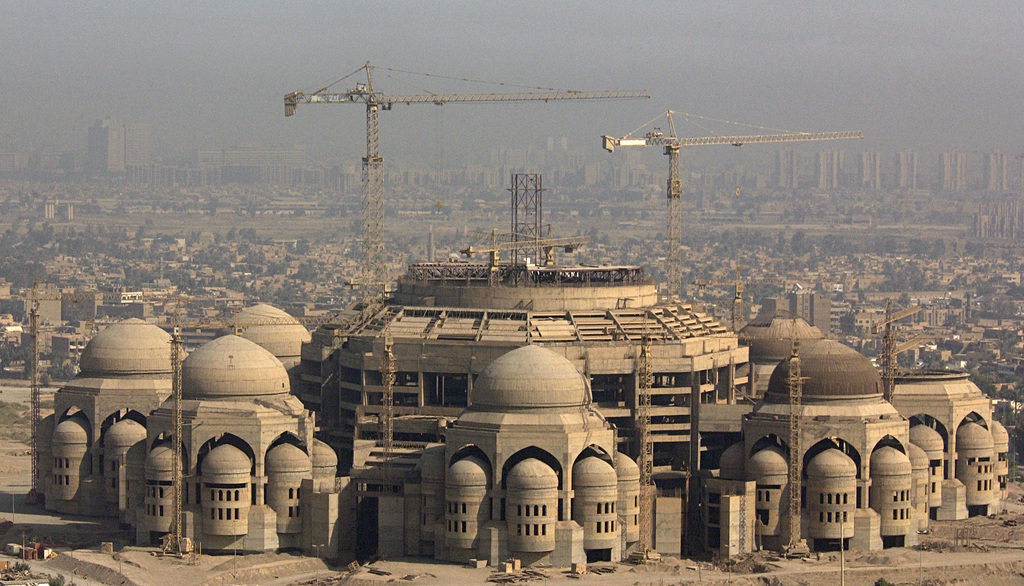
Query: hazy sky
x,y
924,75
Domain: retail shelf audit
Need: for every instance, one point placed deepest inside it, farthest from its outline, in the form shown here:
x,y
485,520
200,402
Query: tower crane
x,y
672,144
737,299
890,348
374,269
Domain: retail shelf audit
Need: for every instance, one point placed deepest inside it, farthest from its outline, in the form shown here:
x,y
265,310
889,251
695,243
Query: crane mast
x,y
795,400
672,144
646,452
373,275
33,320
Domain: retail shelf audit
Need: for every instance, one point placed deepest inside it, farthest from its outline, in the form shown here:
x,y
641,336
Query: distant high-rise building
x,y
954,171
785,169
813,307
136,144
997,166
869,171
105,152
830,166
906,170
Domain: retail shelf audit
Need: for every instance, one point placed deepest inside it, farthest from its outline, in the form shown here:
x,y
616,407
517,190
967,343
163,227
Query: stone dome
x,y
69,432
531,474
830,371
232,367
226,459
124,433
529,377
926,438
972,436
918,459
731,462
626,468
593,472
469,471
1000,438
770,461
160,459
831,463
283,337
287,458
431,465
770,337
135,457
324,457
888,461
128,347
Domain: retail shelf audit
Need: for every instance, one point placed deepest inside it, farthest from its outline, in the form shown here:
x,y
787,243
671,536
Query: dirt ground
x,y
992,554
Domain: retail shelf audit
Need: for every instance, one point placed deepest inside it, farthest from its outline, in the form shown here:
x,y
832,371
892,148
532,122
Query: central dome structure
x,y
530,377
830,370
128,347
231,367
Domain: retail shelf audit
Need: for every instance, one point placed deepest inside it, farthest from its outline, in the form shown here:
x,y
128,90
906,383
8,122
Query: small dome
x,y
128,347
972,436
160,459
276,331
768,462
926,438
288,458
124,434
730,463
831,464
626,468
918,459
527,378
888,461
70,432
830,371
1000,438
469,471
770,337
531,474
324,457
231,367
431,465
593,472
226,459
135,457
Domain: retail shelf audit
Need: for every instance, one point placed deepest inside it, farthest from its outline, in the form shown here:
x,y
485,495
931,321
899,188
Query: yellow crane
x,y
890,348
672,144
374,268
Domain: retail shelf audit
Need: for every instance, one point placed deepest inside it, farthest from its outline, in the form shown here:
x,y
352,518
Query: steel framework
x,y
527,203
795,399
646,452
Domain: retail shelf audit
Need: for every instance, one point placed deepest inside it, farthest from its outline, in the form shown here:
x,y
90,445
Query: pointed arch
x,y
532,452
230,439
928,420
595,451
891,442
837,443
770,440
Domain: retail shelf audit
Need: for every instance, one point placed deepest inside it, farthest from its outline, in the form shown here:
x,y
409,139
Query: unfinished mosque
x,y
516,401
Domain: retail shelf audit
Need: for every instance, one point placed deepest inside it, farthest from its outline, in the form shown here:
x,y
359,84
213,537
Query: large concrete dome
x,y
160,459
770,461
830,371
927,439
288,458
770,337
731,462
529,377
1000,437
469,471
70,432
283,337
593,472
232,367
124,433
918,458
831,463
125,348
226,459
888,461
972,436
626,468
531,474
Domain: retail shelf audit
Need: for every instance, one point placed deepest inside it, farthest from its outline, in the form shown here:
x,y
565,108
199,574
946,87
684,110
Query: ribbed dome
x,y
626,468
232,367
529,377
283,337
770,461
1000,438
593,472
70,432
531,474
831,464
830,371
888,461
469,471
918,459
128,347
160,459
972,436
431,465
770,337
926,438
226,459
123,434
730,463
289,459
